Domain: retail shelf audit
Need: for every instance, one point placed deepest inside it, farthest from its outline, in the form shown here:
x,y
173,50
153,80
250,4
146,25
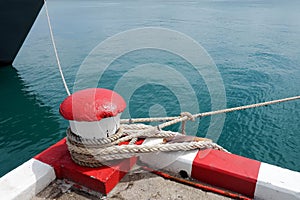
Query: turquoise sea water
x,y
254,44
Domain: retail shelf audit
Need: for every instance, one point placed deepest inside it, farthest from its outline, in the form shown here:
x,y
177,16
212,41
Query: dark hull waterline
x,y
16,20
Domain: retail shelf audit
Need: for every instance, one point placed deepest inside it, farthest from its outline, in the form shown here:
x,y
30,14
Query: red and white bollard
x,y
93,113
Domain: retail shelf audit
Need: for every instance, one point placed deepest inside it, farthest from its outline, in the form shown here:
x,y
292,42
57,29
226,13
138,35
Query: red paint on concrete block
x,y
229,171
102,179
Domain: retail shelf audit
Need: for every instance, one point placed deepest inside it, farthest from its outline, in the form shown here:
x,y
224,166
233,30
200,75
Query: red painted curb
x,y
229,171
102,179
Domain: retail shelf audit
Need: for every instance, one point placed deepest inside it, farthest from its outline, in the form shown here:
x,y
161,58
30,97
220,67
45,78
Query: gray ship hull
x,y
16,20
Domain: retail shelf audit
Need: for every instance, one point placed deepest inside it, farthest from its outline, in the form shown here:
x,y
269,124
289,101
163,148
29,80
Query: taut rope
x,y
187,116
55,50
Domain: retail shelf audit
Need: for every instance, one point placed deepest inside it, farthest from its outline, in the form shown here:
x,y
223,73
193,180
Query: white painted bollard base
x,y
26,181
96,129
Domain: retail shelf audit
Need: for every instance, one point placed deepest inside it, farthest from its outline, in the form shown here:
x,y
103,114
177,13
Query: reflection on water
x,y
26,125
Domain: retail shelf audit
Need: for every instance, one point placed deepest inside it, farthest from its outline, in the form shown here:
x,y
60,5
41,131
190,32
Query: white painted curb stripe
x,y
277,183
174,162
27,180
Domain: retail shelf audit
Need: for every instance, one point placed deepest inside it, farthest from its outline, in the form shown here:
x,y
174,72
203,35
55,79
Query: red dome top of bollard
x,y
92,104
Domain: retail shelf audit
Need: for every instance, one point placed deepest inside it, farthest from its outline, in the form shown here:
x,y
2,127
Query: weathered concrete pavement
x,y
141,185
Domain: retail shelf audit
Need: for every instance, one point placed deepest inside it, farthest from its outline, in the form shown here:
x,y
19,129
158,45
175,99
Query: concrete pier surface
x,y
135,185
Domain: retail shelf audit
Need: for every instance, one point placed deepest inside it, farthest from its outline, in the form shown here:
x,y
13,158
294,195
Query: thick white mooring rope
x,y
95,152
